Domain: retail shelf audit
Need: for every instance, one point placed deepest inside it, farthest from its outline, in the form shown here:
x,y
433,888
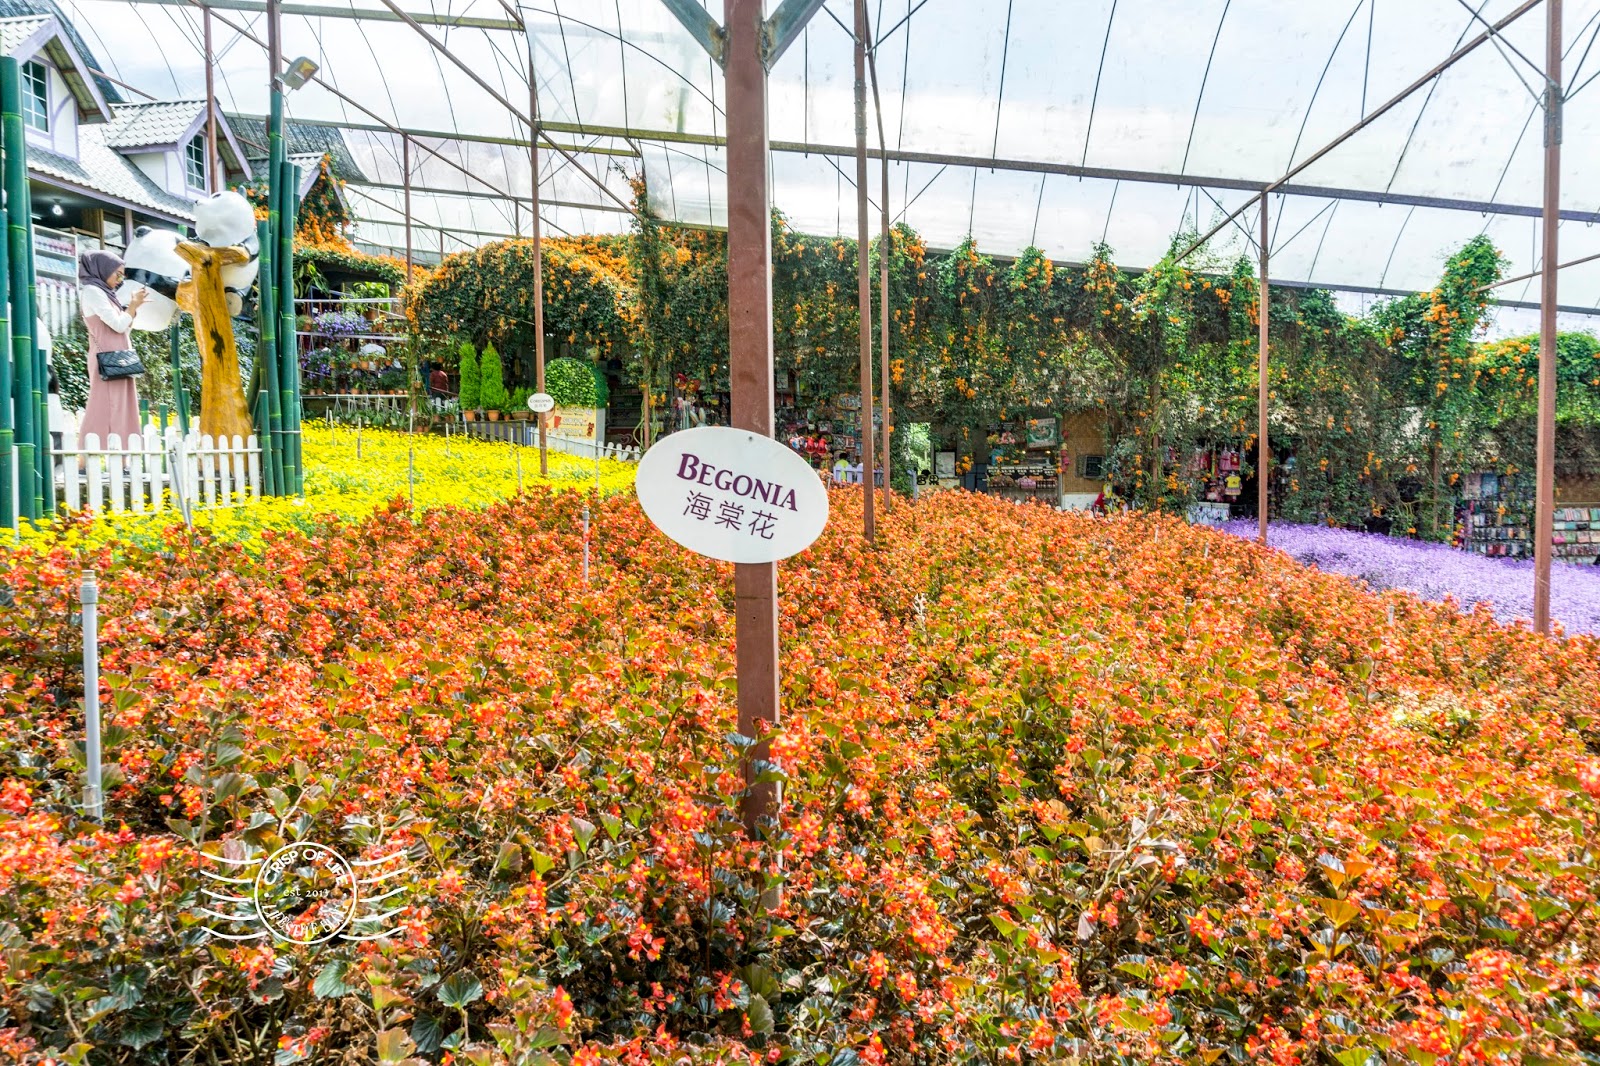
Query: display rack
x,y
1496,515
1025,481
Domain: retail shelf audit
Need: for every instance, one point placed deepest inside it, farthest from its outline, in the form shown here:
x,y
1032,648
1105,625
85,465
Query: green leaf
x,y
761,981
230,785
330,980
1136,966
460,989
509,860
127,988
759,1015
393,1045
582,832
1354,1056
427,1033
141,1032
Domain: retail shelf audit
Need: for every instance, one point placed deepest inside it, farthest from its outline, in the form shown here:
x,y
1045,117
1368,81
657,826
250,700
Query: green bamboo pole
x,y
289,367
271,347
180,395
16,188
271,437
44,466
8,471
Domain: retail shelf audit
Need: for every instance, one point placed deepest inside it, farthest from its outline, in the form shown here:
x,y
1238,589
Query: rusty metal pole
x,y
213,160
405,164
536,230
1545,473
750,348
885,244
864,277
1263,453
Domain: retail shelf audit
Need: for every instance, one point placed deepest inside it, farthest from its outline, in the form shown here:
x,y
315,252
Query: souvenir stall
x,y
1495,518
693,406
1220,472
1024,461
822,432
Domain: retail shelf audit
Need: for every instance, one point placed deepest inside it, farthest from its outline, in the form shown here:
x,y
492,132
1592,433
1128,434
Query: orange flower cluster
x,y
1055,788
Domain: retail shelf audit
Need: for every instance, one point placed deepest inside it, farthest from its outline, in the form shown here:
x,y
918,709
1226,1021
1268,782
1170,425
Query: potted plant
x,y
492,394
470,394
519,404
370,290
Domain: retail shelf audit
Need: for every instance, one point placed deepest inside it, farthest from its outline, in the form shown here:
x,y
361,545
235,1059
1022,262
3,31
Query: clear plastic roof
x,y
1016,121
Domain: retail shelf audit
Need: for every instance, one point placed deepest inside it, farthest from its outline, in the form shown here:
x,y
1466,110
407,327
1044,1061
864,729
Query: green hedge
x,y
351,263
575,383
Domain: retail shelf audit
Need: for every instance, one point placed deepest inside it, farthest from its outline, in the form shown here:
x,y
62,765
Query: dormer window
x,y
194,163
36,96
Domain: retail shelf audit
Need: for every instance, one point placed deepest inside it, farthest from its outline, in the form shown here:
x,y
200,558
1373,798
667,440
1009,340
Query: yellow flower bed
x,y
460,472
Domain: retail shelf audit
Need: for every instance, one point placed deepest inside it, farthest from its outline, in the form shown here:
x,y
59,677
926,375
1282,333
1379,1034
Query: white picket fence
x,y
137,476
527,434
576,446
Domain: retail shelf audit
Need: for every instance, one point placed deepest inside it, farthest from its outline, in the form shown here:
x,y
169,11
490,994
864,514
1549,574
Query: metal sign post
x,y
177,467
89,598
751,371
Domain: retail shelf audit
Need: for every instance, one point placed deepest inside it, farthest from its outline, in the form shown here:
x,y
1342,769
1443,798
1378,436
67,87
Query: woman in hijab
x,y
113,407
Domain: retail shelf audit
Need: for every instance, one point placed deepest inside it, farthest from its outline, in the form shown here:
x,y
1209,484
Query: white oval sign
x,y
732,494
541,403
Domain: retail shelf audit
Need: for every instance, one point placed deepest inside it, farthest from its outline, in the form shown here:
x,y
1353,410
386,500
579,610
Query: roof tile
x,y
17,29
251,130
162,122
107,171
14,8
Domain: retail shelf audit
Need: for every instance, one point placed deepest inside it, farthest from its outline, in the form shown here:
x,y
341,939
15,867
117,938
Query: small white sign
x,y
541,403
732,494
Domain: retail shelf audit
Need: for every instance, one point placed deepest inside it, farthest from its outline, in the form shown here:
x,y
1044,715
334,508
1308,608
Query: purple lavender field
x,y
1434,571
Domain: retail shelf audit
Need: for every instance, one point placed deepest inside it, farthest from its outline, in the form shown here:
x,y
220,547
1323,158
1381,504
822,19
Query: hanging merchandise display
x,y
1496,519
1024,463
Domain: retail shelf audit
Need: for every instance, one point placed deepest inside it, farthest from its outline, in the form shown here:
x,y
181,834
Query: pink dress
x,y
113,407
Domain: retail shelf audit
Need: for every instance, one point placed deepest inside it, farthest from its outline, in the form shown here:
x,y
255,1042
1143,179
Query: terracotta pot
x,y
521,416
494,416
470,416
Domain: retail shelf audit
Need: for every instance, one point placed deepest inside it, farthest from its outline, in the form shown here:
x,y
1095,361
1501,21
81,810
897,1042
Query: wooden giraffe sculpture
x,y
224,411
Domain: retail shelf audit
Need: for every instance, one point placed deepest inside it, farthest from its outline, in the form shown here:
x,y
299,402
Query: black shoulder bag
x,y
119,364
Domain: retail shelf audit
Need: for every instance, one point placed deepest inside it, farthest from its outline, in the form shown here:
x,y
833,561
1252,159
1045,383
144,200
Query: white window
x,y
36,96
194,163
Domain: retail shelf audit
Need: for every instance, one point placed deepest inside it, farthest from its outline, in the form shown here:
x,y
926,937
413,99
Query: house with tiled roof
x,y
98,166
303,143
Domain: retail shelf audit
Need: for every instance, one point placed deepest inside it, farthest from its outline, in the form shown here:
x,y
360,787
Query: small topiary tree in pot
x,y
492,395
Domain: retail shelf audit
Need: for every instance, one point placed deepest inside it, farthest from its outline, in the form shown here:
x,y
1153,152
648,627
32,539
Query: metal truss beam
x,y
452,230
470,194
365,15
244,32
465,138
1147,177
784,26
777,32
531,121
701,26
1367,120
